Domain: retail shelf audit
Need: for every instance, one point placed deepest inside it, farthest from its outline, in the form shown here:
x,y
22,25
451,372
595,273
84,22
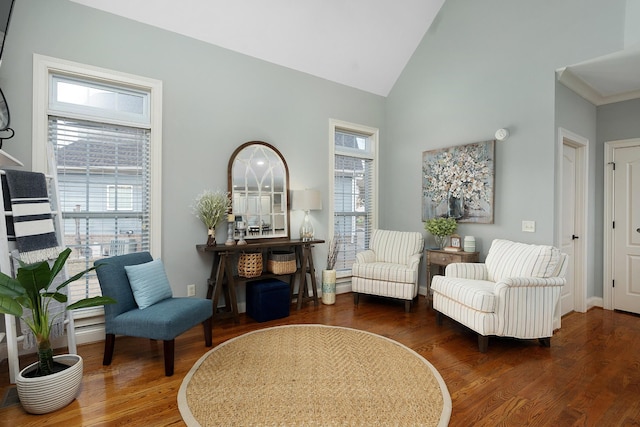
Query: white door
x,y
626,268
568,234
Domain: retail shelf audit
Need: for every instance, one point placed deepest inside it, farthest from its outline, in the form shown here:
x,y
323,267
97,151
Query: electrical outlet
x,y
191,290
529,226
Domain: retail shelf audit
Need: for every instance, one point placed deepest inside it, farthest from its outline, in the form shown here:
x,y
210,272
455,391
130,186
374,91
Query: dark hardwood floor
x,y
589,377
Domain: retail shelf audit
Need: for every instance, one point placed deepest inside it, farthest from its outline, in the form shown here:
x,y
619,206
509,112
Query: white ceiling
x,y
607,79
364,44
360,43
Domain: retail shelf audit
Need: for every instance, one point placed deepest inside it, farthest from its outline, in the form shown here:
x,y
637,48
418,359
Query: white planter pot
x,y
328,287
41,395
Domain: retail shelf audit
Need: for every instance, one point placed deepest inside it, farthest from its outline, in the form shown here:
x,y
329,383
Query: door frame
x,y
608,252
581,144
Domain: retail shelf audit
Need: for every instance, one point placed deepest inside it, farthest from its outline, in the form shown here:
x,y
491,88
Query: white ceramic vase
x,y
41,395
328,287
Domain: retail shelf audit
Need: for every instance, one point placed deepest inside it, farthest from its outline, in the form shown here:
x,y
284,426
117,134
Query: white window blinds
x,y
103,184
354,195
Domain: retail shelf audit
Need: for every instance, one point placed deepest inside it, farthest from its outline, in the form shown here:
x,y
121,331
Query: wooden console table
x,y
224,279
441,259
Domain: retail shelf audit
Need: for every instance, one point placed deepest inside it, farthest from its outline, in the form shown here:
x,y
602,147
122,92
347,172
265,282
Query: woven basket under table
x,y
281,262
250,264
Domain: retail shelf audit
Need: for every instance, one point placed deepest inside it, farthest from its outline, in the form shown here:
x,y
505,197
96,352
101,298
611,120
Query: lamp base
x,y
306,229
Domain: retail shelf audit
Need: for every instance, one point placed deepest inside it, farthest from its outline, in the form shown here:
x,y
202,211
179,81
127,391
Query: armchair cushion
x,y
149,283
513,259
476,294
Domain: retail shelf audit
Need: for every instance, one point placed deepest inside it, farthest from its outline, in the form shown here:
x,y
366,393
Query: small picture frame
x,y
456,242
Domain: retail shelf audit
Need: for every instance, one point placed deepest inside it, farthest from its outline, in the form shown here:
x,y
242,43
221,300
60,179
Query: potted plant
x,y
329,274
210,208
43,382
441,228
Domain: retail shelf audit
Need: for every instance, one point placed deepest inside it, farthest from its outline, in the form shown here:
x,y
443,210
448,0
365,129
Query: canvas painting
x,y
457,182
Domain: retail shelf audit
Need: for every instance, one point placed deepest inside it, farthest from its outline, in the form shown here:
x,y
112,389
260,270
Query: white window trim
x,y
43,66
372,133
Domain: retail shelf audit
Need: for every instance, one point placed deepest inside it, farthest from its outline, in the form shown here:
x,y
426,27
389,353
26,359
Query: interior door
x,y
626,273
568,236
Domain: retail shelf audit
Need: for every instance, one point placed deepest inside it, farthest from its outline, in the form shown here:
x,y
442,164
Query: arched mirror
x,y
259,186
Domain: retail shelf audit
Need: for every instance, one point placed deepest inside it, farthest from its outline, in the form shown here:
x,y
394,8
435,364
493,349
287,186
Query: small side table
x,y
443,258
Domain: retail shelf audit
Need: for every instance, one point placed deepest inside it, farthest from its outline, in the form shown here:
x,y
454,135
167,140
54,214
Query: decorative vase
x,y
455,207
211,237
469,244
41,395
441,241
328,287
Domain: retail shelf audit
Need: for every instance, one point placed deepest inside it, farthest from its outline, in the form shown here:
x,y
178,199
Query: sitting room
x,y
278,160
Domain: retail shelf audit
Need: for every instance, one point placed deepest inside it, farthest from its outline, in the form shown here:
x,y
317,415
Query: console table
x,y
224,279
441,259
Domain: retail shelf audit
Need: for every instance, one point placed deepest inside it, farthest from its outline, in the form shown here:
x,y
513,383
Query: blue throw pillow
x,y
149,283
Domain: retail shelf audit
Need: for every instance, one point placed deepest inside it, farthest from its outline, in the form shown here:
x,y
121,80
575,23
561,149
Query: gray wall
x,y
214,100
483,66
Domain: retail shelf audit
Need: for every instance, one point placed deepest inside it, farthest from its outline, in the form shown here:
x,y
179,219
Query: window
x,y
95,127
119,197
354,182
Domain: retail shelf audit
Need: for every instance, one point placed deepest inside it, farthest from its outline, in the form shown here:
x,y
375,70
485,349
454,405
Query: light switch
x,y
529,226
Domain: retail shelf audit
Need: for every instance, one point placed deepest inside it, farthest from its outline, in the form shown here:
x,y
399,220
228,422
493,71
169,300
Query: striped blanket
x,y
31,225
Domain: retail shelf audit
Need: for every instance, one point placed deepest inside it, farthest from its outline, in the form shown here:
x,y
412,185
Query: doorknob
x,y
574,237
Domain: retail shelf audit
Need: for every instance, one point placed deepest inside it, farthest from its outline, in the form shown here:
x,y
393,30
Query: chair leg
x,y
356,298
438,318
545,342
207,326
483,343
169,350
109,344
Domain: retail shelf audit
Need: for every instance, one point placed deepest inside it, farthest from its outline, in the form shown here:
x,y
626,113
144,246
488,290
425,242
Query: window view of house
x,y
102,173
354,194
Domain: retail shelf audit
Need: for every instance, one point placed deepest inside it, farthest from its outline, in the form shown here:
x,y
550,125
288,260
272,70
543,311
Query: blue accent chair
x,y
164,320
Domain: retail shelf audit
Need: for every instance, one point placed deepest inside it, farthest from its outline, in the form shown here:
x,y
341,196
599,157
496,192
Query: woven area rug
x,y
313,375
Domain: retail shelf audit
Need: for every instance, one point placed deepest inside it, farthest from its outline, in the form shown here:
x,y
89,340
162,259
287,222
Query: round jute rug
x,y
313,375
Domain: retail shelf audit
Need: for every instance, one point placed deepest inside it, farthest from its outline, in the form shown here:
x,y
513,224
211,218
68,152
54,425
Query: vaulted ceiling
x,y
364,44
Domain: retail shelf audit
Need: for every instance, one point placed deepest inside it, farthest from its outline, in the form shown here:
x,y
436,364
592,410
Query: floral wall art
x,y
457,182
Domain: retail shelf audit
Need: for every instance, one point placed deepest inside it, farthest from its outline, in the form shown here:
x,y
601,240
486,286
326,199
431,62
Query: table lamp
x,y
306,200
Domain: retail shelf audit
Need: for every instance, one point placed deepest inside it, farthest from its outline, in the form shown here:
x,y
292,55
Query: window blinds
x,y
354,194
103,184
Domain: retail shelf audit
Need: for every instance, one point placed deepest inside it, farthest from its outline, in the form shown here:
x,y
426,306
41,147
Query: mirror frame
x,y
286,191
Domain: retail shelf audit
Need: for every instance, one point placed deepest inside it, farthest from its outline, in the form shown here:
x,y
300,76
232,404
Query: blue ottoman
x,y
267,299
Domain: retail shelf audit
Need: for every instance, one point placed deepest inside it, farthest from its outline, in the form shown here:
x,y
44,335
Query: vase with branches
x,y
211,207
329,275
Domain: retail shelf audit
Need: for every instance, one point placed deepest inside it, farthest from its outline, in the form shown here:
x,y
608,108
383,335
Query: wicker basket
x,y
250,264
281,262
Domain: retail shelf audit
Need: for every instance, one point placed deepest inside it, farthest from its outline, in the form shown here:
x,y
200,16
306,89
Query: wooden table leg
x,y
224,283
232,291
306,267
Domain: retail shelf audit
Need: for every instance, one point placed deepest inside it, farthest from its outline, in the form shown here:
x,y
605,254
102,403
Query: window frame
x,y
44,66
89,323
373,134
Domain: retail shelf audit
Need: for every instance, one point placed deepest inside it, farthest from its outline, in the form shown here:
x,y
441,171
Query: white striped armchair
x,y
390,266
515,293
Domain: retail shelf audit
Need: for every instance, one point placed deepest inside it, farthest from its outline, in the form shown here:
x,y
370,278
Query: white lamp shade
x,y
306,200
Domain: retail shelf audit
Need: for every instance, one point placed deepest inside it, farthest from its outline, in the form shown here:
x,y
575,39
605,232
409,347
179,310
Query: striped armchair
x,y
390,266
514,293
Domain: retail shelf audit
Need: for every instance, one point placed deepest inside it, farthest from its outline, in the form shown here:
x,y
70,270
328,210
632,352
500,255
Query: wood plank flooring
x,y
589,377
